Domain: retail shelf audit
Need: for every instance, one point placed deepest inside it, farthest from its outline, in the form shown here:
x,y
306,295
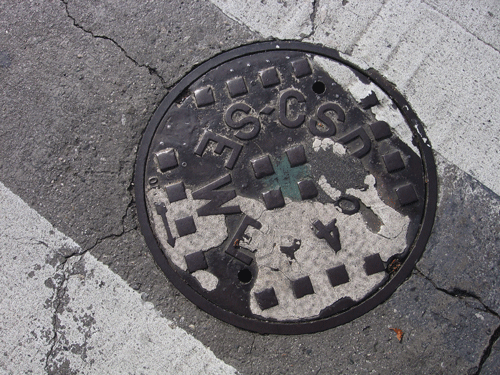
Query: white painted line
x,y
450,78
101,326
443,56
480,18
279,19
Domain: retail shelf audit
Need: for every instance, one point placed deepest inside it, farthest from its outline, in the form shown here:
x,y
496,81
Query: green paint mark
x,y
286,178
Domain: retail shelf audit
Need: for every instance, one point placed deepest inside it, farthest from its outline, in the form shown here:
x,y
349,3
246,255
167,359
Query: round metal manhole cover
x,y
283,189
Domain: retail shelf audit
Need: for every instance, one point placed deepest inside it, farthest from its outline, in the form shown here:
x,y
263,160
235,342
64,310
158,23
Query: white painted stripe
x,y
443,57
288,19
102,325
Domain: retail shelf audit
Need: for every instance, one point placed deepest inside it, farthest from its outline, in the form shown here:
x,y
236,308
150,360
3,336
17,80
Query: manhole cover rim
x,y
297,327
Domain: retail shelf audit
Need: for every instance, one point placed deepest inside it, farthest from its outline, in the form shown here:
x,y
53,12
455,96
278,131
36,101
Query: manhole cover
x,y
284,190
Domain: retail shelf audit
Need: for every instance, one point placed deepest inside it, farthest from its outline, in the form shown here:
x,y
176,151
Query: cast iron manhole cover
x,y
285,190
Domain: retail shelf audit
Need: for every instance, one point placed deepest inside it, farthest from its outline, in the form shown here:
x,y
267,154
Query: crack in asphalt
x,y
102,239
486,353
130,188
59,293
312,16
251,357
81,251
152,71
460,293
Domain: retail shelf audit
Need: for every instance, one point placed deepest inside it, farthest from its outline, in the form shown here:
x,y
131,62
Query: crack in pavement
x,y
312,16
252,357
101,240
152,71
461,294
486,353
59,293
81,251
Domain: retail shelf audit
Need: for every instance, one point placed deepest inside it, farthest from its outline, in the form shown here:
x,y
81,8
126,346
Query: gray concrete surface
x,y
79,81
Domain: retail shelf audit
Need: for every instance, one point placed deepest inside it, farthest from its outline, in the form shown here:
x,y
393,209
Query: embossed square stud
x,y
302,287
301,68
266,298
236,87
196,261
373,264
406,195
393,162
269,77
337,275
204,96
166,159
307,189
176,192
296,156
273,199
185,226
262,167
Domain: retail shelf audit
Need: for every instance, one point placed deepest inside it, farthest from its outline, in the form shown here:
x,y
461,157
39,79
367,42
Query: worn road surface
x,y
79,81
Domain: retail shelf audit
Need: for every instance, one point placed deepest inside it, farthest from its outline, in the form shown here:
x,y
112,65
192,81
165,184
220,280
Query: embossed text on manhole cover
x,y
285,190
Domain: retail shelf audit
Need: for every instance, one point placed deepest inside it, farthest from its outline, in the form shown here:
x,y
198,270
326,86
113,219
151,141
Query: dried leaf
x,y
399,333
394,266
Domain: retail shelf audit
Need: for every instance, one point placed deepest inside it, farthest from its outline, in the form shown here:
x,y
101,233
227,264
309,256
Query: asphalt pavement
x,y
79,82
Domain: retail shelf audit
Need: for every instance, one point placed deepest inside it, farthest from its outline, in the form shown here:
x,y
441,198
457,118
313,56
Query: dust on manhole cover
x,y
283,189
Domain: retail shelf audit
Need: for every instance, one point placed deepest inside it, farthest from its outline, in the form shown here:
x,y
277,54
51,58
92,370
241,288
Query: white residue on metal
x,y
426,141
385,111
280,227
394,224
329,189
326,143
207,280
211,230
253,238
251,207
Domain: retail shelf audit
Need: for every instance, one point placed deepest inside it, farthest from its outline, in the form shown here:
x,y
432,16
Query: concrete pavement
x,y
79,81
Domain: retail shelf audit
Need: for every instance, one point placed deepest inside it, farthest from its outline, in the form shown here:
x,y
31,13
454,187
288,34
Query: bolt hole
x,y
319,87
245,276
348,204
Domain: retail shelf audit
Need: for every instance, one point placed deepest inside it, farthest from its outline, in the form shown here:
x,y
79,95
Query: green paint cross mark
x,y
286,178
